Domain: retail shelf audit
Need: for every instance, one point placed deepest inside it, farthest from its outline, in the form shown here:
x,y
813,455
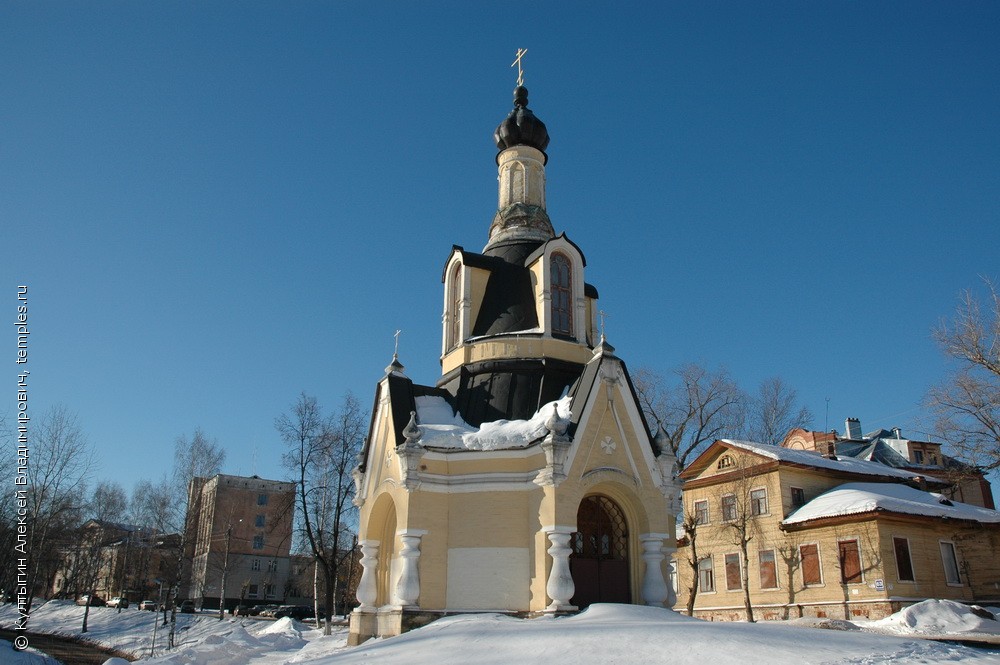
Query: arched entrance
x,y
599,561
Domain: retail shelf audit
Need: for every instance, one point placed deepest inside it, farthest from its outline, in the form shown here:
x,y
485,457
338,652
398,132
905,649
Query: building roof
x,y
860,498
521,126
815,460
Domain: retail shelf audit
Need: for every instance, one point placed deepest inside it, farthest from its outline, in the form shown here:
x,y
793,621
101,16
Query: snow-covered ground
x,y
937,617
601,634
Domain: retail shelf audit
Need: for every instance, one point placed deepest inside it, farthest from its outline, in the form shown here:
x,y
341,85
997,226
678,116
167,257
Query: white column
x,y
560,587
367,585
408,584
654,588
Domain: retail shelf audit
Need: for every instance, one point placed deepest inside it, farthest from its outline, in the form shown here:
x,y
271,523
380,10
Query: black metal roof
x,y
521,127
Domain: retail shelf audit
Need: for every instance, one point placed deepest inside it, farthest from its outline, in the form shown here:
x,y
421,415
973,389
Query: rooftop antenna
x,y
521,52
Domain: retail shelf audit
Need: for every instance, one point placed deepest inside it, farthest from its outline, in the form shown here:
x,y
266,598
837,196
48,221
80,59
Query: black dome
x,y
521,127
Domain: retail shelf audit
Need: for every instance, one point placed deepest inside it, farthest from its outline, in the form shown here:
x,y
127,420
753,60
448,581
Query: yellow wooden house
x,y
828,536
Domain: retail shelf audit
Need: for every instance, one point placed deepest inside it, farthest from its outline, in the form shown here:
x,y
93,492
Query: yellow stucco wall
x,y
463,518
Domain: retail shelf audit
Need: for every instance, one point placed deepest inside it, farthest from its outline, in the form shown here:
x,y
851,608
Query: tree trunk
x,y
745,573
316,591
328,576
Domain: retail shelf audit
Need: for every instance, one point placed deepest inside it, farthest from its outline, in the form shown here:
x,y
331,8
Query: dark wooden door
x,y
599,561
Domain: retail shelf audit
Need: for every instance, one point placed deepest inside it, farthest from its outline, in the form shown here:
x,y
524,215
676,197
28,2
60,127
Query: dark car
x,y
297,612
186,607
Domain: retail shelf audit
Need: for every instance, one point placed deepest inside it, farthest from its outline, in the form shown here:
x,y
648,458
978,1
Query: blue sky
x,y
216,206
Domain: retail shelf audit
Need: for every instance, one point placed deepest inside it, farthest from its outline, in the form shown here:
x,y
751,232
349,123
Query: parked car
x,y
95,601
118,601
269,610
186,607
148,605
297,612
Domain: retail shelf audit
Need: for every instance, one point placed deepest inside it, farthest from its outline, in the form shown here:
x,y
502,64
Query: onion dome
x,y
521,127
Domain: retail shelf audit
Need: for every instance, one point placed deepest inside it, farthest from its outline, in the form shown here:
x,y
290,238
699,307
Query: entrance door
x,y
599,561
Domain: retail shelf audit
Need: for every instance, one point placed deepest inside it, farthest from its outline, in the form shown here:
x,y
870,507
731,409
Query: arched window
x,y
562,295
455,307
725,462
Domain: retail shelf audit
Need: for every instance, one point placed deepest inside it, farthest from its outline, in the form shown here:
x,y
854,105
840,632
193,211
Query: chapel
x,y
526,480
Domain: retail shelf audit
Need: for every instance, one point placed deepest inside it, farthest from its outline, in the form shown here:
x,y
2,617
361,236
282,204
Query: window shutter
x,y
850,561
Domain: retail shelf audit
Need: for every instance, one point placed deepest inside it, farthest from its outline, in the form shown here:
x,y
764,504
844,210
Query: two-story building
x,y
826,536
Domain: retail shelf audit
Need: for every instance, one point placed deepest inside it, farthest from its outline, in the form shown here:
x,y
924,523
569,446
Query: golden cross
x,y
517,61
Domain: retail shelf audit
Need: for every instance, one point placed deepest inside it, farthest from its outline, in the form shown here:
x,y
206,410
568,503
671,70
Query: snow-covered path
x,y
605,634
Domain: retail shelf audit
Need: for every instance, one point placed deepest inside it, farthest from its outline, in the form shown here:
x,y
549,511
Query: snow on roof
x,y
857,498
442,428
806,458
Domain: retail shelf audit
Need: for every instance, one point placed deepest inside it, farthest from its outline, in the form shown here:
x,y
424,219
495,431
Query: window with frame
x,y
798,497
758,501
725,462
918,456
850,561
261,499
809,560
949,560
728,507
259,521
904,564
768,570
252,590
455,303
706,575
734,576
272,566
258,542
255,564
269,590
562,294
701,512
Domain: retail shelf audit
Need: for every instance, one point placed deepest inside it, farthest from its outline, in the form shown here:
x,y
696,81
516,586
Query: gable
x,y
608,428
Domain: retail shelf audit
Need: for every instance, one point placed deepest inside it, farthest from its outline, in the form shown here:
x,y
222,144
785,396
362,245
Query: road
x,y
66,650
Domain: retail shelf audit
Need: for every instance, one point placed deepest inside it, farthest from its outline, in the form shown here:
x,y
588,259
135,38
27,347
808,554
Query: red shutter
x,y
810,564
768,573
733,580
850,561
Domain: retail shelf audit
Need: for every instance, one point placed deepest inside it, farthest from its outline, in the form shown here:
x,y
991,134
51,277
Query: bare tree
x,y
198,457
774,411
108,502
741,504
700,407
61,462
322,452
690,525
967,404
